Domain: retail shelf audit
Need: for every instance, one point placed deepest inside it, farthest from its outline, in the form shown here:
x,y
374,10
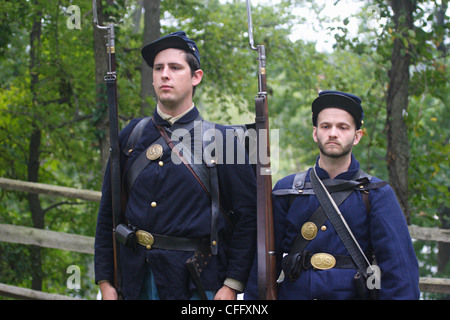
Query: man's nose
x,y
165,72
333,131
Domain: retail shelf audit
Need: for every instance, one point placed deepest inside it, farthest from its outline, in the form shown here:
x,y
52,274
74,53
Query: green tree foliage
x,y
47,91
427,45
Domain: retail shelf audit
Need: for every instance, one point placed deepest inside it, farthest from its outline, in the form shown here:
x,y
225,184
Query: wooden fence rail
x,y
29,294
46,238
34,187
432,234
84,244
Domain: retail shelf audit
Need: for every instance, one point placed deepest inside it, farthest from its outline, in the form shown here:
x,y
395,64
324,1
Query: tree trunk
x,y
443,255
397,105
151,32
137,16
101,67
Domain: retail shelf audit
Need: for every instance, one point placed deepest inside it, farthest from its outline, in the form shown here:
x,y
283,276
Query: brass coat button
x,y
154,151
153,204
309,230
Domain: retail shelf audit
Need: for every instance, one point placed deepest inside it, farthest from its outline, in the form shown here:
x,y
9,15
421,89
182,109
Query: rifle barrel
x,y
265,232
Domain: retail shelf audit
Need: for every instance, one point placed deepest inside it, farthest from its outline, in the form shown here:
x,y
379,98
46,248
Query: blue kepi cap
x,y
177,40
341,100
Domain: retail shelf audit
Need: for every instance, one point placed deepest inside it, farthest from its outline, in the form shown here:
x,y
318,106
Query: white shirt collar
x,y
172,119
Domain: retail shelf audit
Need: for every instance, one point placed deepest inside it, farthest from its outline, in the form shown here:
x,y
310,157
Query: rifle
x,y
111,89
267,289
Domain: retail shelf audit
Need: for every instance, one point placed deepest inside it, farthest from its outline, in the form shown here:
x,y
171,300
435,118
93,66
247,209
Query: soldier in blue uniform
x,y
312,260
171,208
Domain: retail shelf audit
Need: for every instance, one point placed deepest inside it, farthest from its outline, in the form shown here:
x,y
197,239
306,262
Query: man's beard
x,y
345,150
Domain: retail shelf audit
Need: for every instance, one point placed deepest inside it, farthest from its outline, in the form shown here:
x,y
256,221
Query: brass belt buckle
x,y
145,238
323,261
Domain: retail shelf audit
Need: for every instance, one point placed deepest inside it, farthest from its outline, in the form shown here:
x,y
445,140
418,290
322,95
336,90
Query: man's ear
x,y
358,136
197,78
315,133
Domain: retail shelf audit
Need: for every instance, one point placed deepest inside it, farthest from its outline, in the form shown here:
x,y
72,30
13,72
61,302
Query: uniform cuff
x,y
234,284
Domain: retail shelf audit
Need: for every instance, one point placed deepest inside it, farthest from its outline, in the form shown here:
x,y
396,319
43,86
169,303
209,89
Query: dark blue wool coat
x,y
383,228
183,209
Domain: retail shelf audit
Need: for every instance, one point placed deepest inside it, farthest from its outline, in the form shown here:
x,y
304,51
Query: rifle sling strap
x,y
339,190
199,172
206,175
318,218
142,161
196,172
339,225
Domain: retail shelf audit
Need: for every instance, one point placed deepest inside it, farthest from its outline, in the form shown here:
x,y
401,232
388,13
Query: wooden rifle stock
x,y
267,289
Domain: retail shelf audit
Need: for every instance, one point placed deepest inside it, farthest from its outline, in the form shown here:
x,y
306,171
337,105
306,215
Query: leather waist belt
x,y
151,240
294,263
